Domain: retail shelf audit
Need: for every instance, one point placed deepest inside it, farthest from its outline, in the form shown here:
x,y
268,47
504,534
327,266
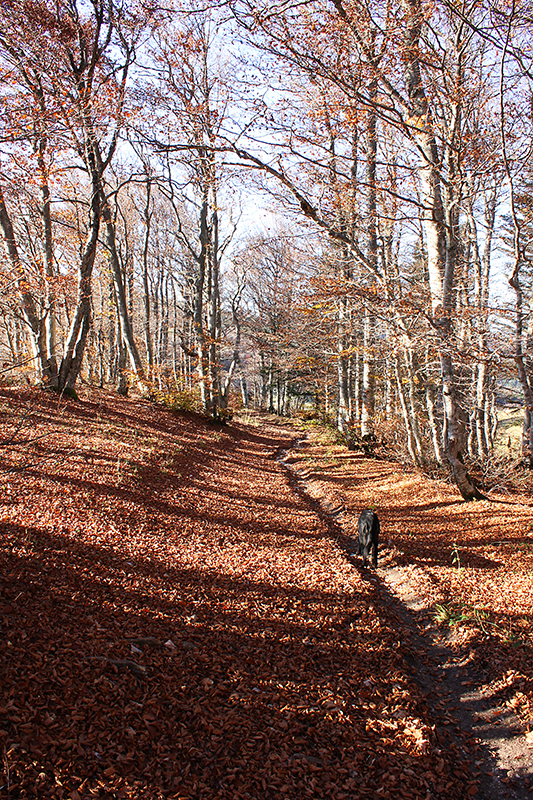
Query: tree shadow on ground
x,y
241,685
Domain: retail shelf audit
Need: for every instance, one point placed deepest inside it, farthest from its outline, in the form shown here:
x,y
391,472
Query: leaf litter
x,y
462,573
179,622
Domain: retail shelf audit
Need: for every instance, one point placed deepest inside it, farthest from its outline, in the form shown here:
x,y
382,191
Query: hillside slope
x,y
178,622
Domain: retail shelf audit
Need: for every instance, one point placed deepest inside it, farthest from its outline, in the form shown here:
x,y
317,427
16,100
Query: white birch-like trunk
x,y
368,400
440,262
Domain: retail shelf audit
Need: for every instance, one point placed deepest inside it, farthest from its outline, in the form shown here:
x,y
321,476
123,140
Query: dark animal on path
x,y
368,530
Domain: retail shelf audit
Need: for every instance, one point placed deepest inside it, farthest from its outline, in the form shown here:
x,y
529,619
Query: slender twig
x,y
38,463
7,784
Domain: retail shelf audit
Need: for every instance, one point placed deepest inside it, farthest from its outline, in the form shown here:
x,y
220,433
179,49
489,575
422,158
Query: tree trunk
x,y
408,360
146,283
434,428
120,292
440,261
342,366
122,378
79,328
244,392
406,416
368,399
454,435
524,376
36,324
367,410
50,317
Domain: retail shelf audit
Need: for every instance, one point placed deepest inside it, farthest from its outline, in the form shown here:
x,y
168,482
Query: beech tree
x,y
72,75
374,132
511,33
191,97
26,131
427,108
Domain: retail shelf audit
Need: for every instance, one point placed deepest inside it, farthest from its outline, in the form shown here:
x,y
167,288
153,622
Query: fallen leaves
x,y
179,623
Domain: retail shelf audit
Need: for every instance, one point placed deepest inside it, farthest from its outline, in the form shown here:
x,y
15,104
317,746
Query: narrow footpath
x,y
458,667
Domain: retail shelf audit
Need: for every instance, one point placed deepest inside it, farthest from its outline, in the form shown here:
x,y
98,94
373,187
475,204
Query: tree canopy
x,y
319,208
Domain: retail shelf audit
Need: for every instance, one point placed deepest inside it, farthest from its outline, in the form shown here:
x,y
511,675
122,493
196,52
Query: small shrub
x,y
177,399
456,557
310,417
460,613
223,415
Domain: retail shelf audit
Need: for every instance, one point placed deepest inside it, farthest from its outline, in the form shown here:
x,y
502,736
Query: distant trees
x,y
191,91
426,85
275,296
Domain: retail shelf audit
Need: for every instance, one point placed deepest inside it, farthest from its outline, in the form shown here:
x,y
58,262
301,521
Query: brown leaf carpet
x,y
177,622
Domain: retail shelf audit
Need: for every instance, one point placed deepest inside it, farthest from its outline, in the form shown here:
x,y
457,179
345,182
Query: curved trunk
x,y
440,257
79,328
37,328
454,435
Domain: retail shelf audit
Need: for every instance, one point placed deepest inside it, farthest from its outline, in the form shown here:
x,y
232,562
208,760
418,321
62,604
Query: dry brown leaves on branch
x,y
177,622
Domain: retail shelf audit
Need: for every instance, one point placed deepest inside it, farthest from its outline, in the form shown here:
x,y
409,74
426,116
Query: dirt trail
x,y
444,660
180,621
447,675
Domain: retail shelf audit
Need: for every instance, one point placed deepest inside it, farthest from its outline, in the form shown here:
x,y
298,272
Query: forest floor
x,y
181,615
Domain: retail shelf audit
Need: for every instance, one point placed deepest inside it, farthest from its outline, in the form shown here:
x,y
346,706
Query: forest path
x,y
179,622
469,563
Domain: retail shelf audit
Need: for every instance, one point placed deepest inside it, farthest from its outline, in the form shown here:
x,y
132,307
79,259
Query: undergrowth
x,y
177,399
460,613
